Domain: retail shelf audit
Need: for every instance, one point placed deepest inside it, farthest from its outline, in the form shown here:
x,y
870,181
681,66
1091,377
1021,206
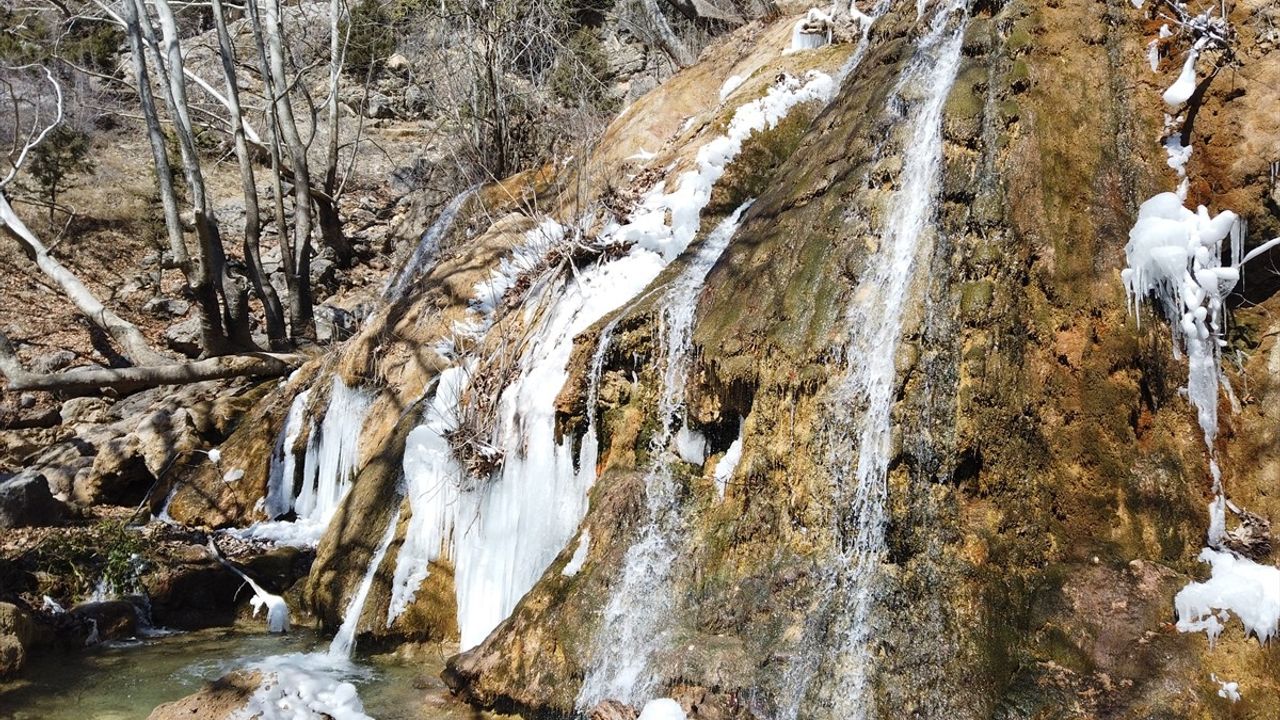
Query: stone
x,y
184,337
167,307
114,619
322,270
84,410
218,700
25,501
397,63
18,633
164,437
612,710
334,323
378,107
118,476
51,361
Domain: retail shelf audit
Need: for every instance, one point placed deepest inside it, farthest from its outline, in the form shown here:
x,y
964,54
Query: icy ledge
x,y
1238,585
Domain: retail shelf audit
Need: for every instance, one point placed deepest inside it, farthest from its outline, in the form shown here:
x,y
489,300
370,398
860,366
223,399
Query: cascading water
x,y
634,627
864,398
428,249
330,463
506,530
345,641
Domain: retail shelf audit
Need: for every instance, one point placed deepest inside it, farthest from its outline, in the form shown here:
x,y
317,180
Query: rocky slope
x,y
1045,481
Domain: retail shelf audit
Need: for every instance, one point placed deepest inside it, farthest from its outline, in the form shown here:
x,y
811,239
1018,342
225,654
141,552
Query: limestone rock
x,y
184,337
113,619
84,410
25,501
217,700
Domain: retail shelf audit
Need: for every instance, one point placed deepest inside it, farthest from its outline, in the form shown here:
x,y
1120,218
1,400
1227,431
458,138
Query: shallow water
x,y
127,680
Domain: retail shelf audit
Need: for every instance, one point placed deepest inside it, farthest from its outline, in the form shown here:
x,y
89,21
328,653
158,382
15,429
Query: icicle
x,y
277,608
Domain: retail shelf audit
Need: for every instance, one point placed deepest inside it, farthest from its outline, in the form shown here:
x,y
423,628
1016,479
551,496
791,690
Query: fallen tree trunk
x,y
137,378
133,344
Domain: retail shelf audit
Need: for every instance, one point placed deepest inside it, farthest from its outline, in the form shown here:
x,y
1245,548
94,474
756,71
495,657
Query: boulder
x,y
25,501
20,634
118,476
194,595
334,323
184,337
84,410
397,63
164,437
218,700
114,619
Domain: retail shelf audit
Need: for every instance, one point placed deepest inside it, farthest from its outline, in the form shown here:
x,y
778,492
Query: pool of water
x,y
127,680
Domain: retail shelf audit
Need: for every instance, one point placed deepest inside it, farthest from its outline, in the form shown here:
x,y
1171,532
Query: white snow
x,y
579,558
662,709
233,475
1238,585
733,83
215,456
1153,55
277,608
52,606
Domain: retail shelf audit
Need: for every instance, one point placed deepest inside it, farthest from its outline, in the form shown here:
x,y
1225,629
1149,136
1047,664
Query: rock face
x,y
1044,483
20,634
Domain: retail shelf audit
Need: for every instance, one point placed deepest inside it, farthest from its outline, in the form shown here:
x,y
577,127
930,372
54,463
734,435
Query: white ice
x,y
662,709
579,557
1237,585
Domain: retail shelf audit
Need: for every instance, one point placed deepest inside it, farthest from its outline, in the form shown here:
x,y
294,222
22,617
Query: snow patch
x,y
662,709
729,463
303,687
733,83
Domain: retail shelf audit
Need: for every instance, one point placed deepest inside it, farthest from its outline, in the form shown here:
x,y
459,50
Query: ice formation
x,y
283,471
331,460
662,709
344,642
510,529
1226,689
579,557
277,608
432,478
1185,86
691,445
303,687
729,463
803,35
1238,585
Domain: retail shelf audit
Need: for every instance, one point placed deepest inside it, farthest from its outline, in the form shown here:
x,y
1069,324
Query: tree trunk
x,y
137,378
303,324
211,330
253,222
133,345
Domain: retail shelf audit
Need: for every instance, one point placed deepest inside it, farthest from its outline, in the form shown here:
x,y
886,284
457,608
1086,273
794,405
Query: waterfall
x,y
282,474
428,249
330,463
875,321
506,530
345,641
634,628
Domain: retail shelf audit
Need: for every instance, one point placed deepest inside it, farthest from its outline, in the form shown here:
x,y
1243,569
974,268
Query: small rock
x,y
378,107
397,63
77,411
167,307
52,362
184,337
612,710
26,401
334,323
